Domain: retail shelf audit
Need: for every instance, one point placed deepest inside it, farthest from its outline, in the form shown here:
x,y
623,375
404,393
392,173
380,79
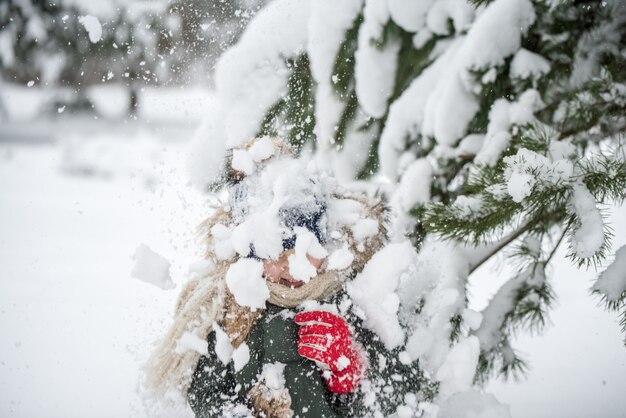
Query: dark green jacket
x,y
273,338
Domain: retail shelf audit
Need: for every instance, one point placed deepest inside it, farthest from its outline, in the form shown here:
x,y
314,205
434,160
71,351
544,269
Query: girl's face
x,y
277,271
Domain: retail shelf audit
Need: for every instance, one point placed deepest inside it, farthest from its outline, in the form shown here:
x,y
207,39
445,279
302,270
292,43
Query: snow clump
x,y
375,67
589,237
374,291
612,281
191,342
528,169
306,244
340,259
152,268
93,27
244,159
526,64
435,282
273,376
244,279
457,372
223,348
241,356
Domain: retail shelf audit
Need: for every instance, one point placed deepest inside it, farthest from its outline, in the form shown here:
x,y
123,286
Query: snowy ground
x,y
76,327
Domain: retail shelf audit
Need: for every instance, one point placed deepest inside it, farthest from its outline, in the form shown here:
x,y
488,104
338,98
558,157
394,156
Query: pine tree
x,y
497,125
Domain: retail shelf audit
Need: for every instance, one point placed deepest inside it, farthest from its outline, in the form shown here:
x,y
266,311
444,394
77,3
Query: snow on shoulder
x,y
152,268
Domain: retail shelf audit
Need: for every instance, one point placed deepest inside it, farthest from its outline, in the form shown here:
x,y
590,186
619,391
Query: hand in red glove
x,y
325,338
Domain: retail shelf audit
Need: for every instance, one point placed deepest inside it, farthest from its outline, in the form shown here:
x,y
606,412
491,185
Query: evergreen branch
x,y
499,246
521,302
605,177
556,246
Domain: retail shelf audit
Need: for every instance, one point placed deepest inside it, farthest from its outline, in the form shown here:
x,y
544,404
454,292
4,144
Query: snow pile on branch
x,y
442,100
526,64
375,67
260,202
612,281
589,236
152,268
253,74
328,24
374,291
436,286
502,117
528,169
250,77
456,374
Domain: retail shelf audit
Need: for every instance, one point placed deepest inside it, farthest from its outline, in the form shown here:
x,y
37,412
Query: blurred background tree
x,y
142,43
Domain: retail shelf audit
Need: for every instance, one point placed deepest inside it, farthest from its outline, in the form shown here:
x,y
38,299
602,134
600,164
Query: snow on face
x,y
245,281
261,232
306,244
269,204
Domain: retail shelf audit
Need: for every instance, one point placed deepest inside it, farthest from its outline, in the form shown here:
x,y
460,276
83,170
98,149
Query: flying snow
x,y
93,27
244,280
152,268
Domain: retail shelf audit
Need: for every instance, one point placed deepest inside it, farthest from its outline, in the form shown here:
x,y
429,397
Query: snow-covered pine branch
x,y
491,123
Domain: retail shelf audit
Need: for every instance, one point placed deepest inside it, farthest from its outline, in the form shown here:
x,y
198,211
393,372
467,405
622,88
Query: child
x,y
283,339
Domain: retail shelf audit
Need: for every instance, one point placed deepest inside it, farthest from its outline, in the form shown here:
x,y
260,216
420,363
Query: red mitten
x,y
325,338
